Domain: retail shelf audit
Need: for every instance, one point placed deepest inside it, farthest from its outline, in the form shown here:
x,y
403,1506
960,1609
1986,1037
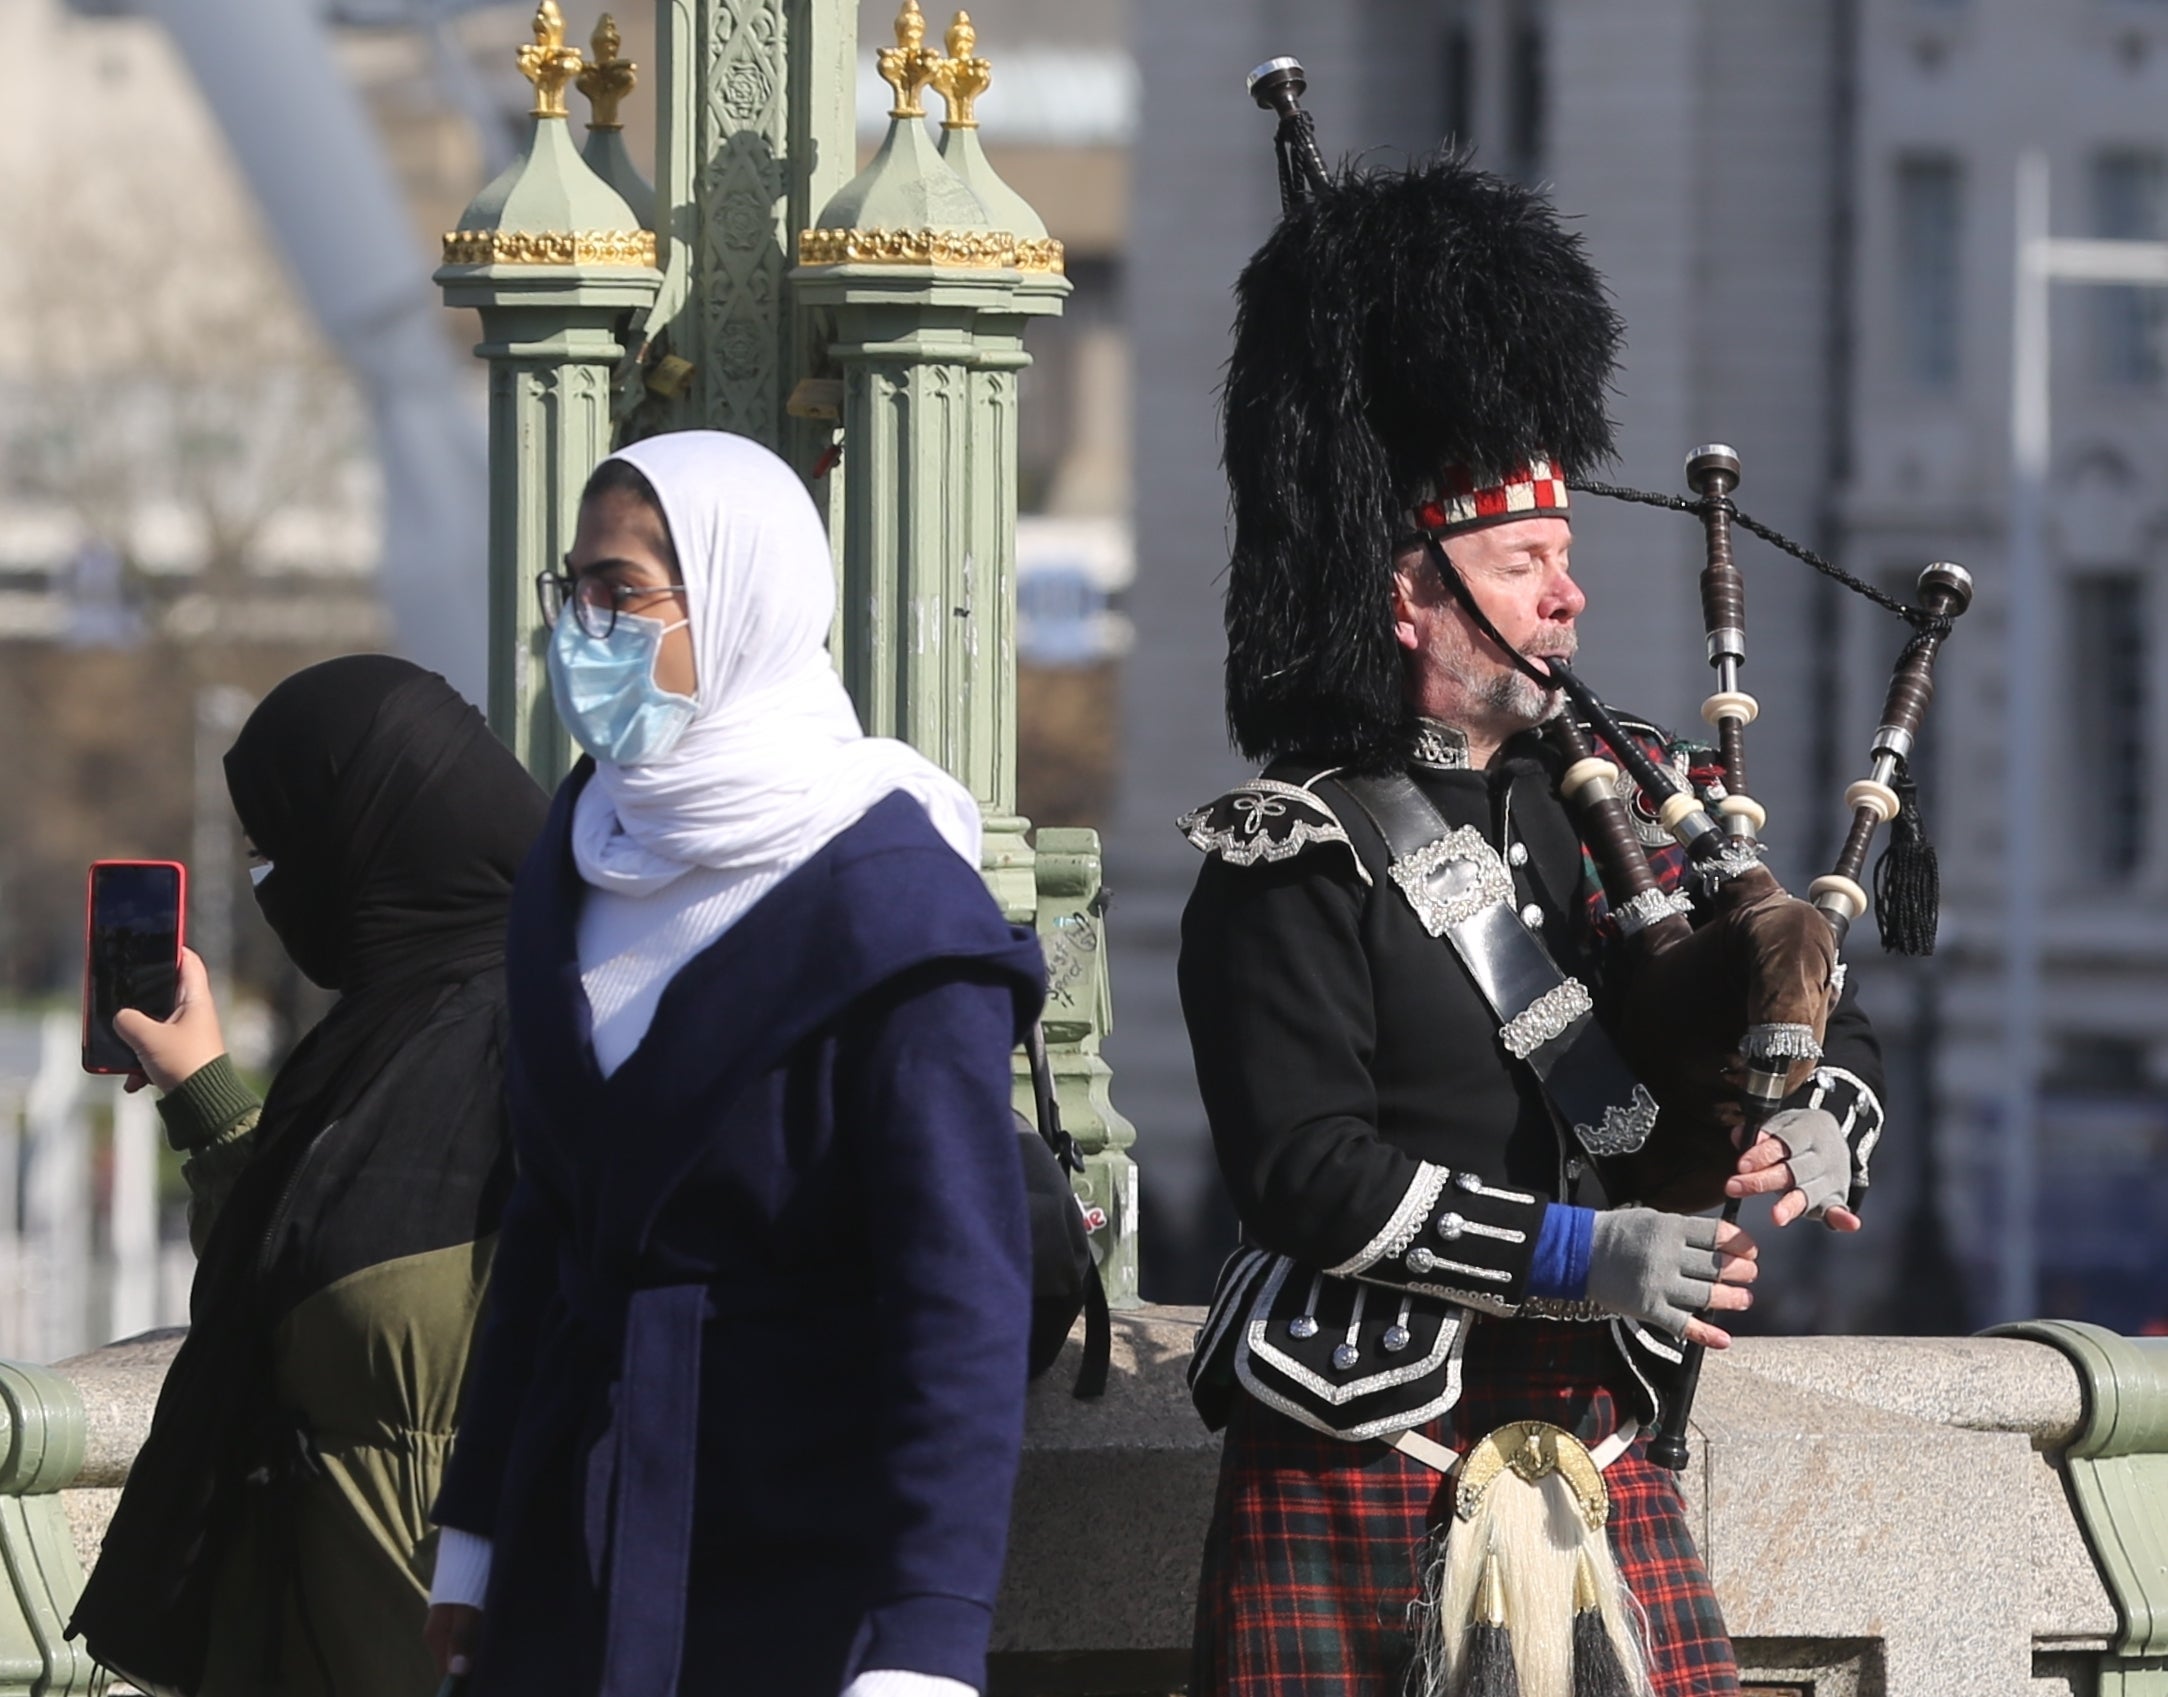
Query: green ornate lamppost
x,y
557,264
924,285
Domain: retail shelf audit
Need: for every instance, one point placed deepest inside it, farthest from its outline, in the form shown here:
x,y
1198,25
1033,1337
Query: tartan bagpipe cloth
x,y
1317,1545
1696,764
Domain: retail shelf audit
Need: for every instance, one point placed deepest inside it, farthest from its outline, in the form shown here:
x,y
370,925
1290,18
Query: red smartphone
x,y
131,951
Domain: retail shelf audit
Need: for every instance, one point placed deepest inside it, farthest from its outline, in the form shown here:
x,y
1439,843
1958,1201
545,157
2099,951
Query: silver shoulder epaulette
x,y
1266,820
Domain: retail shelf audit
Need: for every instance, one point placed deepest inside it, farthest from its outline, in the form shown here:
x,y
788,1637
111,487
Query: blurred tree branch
x,y
177,398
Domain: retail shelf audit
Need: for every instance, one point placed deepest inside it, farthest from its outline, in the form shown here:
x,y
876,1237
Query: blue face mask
x,y
606,692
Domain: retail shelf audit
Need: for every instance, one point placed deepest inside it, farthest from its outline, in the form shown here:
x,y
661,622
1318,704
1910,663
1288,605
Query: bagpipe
x,y
1724,1019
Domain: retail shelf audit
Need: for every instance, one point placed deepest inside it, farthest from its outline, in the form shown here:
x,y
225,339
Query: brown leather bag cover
x,y
1763,958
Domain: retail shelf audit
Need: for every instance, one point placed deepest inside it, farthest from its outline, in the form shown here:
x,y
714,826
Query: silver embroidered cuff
x,y
1649,907
1765,1043
1405,1224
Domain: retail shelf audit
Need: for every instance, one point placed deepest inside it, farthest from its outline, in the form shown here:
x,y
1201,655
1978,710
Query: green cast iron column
x,y
755,131
557,266
926,299
929,542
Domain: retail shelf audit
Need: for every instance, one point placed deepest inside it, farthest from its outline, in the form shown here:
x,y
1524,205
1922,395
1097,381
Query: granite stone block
x,y
1880,1515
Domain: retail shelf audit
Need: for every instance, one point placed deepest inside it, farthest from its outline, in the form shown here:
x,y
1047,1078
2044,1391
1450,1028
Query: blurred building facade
x,y
1805,215
201,442
188,499
1804,211
1956,91
189,510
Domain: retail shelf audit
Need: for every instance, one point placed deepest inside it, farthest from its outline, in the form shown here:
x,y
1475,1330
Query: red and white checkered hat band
x,y
1529,492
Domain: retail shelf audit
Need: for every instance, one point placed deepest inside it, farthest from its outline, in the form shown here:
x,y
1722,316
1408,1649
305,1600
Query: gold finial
x,y
962,77
548,63
1490,1593
908,66
607,79
1587,1593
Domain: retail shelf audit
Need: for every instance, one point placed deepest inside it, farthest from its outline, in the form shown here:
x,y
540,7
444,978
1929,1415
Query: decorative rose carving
x,y
743,349
745,221
744,91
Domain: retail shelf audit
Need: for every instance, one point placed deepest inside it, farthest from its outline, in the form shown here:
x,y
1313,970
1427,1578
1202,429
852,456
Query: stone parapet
x,y
1881,1515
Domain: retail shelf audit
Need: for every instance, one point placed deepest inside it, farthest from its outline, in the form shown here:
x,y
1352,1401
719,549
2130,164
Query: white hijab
x,y
774,762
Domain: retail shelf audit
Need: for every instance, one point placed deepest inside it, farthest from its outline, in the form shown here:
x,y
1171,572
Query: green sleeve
x,y
211,1117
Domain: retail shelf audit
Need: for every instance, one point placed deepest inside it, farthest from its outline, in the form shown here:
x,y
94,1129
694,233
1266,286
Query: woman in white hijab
x,y
751,1390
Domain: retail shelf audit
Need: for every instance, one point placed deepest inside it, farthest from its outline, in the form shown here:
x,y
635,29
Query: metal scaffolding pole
x,y
2017,1278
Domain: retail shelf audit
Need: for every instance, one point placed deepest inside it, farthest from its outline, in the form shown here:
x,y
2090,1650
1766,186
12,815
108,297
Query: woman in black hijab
x,y
273,1536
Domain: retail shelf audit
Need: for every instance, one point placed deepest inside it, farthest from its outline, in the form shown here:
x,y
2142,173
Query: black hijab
x,y
394,823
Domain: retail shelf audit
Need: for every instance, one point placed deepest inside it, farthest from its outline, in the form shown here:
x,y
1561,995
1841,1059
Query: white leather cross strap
x,y
1440,1459
1428,1451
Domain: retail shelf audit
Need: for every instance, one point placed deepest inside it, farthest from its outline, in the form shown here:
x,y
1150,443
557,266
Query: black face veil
x,y
393,820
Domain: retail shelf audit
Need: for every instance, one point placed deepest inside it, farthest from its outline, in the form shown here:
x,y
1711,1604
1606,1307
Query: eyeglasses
x,y
595,603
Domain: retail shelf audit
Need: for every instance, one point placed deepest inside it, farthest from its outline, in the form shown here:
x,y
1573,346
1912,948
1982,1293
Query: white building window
x,y
2109,703
2129,196
1930,213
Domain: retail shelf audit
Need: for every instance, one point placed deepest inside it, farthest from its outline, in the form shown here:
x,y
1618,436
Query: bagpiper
x,y
1454,1313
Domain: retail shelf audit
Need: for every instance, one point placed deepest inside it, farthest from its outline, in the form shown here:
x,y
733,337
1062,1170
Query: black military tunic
x,y
1367,1119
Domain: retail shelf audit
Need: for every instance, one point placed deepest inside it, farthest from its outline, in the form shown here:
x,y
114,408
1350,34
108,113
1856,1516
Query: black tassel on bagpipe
x,y
1907,879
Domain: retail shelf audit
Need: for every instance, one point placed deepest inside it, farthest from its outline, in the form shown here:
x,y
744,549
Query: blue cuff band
x,y
1560,1267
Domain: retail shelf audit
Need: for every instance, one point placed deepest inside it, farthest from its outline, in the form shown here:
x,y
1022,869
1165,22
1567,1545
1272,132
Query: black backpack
x,y
1065,1279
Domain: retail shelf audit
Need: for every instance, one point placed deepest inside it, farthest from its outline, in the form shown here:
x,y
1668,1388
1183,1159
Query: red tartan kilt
x,y
1316,1543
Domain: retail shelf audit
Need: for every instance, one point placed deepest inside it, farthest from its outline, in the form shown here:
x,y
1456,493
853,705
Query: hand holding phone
x,y
175,1048
131,952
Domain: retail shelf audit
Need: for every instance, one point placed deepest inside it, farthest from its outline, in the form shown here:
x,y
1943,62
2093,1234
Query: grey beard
x,y
1515,695
1508,696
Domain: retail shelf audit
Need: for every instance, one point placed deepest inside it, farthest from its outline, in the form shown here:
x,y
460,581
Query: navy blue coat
x,y
748,1403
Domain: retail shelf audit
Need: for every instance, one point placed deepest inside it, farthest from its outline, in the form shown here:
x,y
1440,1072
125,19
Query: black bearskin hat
x,y
1398,328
